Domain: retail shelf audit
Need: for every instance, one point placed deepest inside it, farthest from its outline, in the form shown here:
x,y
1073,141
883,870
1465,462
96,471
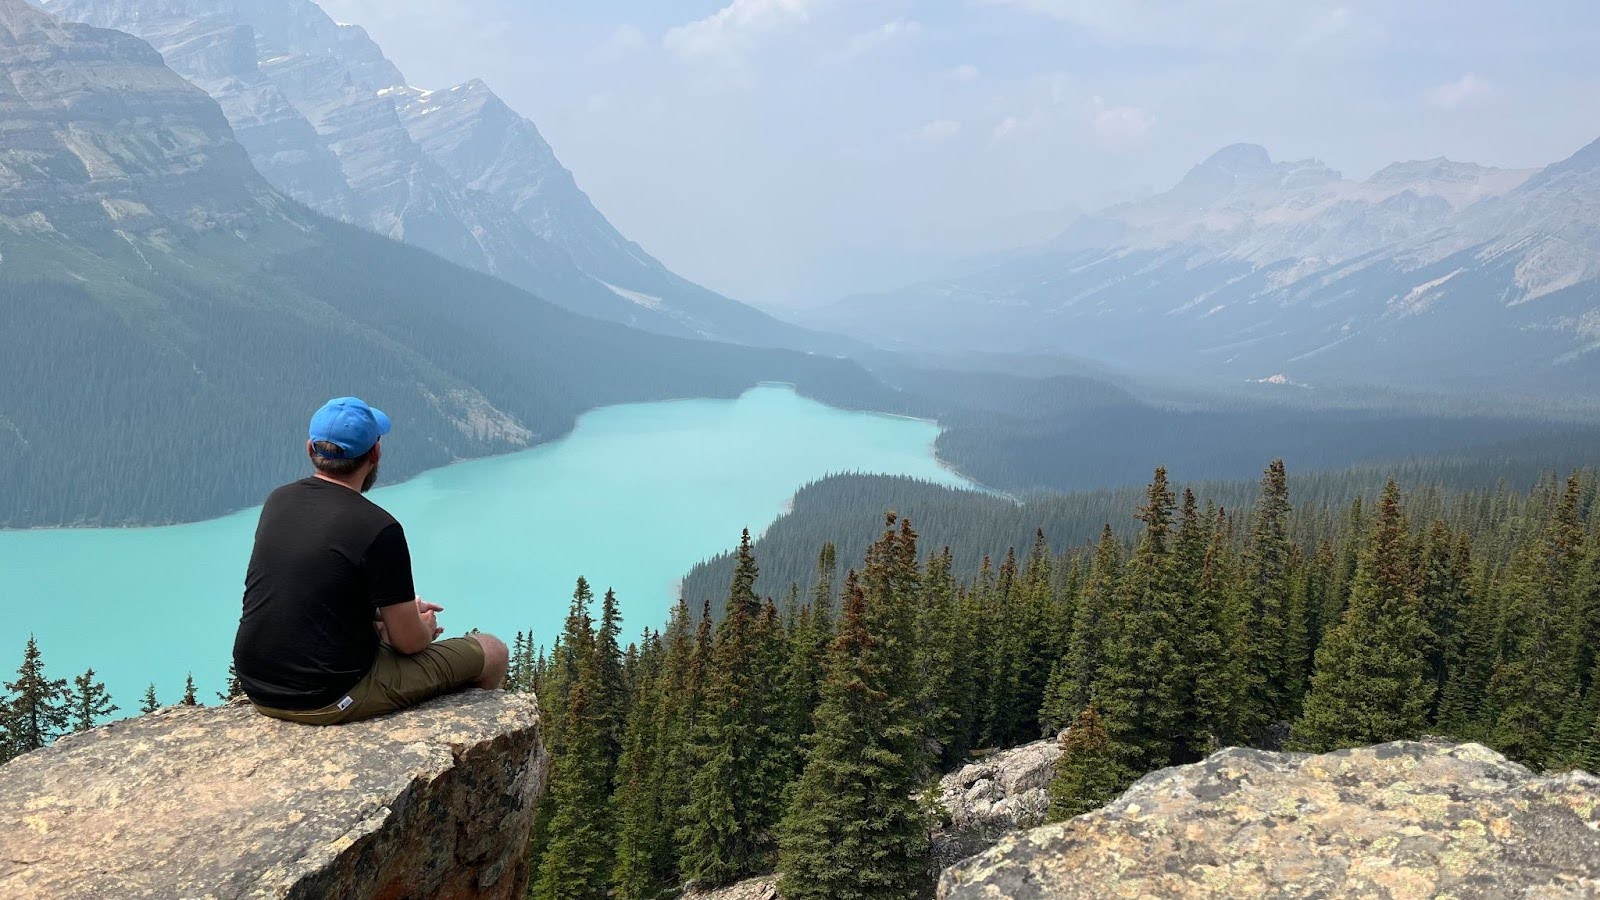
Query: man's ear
x,y
310,450
377,452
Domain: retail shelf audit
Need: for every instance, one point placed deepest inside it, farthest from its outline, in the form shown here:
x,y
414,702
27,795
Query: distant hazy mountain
x,y
168,318
1433,273
328,120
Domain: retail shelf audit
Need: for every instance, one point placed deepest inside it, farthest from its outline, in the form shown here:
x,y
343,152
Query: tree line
x,y
801,733
36,709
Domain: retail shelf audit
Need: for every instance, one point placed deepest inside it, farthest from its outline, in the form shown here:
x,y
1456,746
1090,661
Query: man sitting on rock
x,y
333,630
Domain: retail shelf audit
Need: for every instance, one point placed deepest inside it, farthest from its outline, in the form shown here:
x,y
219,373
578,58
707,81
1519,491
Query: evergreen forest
x,y
800,732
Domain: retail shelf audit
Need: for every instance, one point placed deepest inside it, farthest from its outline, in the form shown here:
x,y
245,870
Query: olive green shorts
x,y
397,681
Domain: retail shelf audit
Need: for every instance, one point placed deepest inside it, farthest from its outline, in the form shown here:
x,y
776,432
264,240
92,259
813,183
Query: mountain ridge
x,y
1430,274
331,122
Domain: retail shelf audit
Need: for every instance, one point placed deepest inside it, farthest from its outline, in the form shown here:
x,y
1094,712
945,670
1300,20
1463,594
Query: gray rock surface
x,y
985,800
755,889
1403,820
192,802
95,130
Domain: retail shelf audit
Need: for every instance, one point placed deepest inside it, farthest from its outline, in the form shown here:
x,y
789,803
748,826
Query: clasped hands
x,y
429,612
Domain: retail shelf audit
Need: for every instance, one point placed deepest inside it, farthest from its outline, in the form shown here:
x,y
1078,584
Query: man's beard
x,y
372,476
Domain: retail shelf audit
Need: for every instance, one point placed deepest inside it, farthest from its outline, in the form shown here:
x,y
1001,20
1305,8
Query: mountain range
x,y
1433,274
330,122
167,315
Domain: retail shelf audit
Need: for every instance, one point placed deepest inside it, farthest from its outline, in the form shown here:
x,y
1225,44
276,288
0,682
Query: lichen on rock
x,y
1401,820
433,802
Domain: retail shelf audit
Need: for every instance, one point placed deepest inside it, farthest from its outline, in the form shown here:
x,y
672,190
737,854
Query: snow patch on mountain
x,y
645,300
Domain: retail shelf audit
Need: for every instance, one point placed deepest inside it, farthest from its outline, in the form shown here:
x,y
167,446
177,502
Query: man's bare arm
x,y
411,627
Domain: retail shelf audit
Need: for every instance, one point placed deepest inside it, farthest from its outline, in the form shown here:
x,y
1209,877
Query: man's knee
x,y
496,660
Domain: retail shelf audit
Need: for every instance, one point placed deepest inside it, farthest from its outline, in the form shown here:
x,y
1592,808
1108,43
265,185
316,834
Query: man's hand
x,y
429,613
411,627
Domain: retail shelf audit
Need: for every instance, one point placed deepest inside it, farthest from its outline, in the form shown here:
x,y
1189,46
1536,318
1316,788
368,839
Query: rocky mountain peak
x,y
1238,159
1246,168
1436,169
330,121
69,92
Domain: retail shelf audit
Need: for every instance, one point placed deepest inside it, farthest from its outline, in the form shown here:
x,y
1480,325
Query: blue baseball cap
x,y
349,424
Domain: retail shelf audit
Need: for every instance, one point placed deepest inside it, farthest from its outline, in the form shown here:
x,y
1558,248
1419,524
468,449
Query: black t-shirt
x,y
325,559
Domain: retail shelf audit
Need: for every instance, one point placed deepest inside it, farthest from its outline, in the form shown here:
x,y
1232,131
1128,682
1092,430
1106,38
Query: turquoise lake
x,y
631,499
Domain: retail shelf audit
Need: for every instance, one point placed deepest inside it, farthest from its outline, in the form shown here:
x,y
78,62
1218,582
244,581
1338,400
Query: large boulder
x,y
988,799
754,889
1402,820
434,802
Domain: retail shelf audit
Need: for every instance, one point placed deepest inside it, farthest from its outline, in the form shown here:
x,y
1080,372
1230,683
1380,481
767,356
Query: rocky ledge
x,y
222,803
988,799
1402,820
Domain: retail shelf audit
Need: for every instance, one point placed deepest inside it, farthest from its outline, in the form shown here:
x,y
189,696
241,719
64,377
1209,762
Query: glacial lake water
x,y
631,499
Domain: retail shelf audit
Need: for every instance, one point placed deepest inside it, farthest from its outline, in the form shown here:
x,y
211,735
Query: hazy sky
x,y
788,151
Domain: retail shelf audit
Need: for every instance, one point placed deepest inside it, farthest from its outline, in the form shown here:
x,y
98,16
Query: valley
x,y
1270,459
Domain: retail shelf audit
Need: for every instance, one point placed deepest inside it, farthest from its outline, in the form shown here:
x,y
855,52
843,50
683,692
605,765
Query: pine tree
x,y
1004,716
1442,594
643,843
190,698
1085,777
577,862
1086,648
674,719
39,708
1036,645
1138,692
150,704
571,656
1535,681
1258,642
1589,759
519,673
853,830
1462,709
90,701
234,689
1371,682
1201,691
736,794
613,697
1296,642
942,662
802,677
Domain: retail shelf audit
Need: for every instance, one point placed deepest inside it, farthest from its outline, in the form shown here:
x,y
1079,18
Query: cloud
x,y
887,33
1120,127
1057,110
729,34
1464,91
1214,25
624,41
935,132
966,72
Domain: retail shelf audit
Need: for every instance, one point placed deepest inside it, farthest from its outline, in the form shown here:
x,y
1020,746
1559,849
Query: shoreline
x,y
554,440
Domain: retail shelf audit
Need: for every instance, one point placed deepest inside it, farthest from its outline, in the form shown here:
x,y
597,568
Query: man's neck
x,y
353,483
